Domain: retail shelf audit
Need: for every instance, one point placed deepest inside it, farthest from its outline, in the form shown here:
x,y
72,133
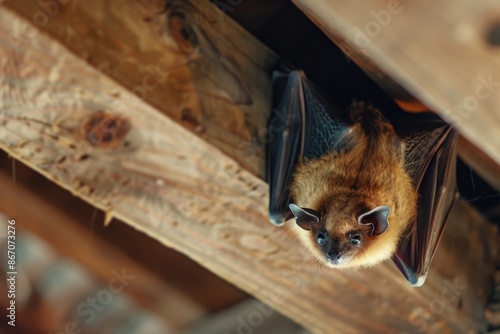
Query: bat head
x,y
343,241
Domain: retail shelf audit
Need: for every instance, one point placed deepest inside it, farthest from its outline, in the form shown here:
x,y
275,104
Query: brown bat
x,y
360,191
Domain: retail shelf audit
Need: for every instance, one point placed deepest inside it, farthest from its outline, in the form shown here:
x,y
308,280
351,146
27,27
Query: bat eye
x,y
321,238
356,239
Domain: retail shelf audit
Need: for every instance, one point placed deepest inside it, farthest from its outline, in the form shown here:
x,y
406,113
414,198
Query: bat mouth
x,y
337,262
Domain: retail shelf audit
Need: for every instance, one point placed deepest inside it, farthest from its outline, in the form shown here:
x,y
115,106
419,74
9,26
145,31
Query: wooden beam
x,y
195,282
192,64
70,239
191,193
444,54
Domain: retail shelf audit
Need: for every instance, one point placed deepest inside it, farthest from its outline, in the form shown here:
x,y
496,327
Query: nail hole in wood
x,y
189,116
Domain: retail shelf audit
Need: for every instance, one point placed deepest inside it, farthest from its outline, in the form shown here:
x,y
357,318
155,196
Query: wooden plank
x,y
440,53
195,282
193,65
189,195
70,239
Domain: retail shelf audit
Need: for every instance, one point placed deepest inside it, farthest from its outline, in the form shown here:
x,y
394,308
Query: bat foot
x,y
356,111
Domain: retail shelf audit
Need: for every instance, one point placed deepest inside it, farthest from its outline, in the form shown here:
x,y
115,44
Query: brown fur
x,y
341,186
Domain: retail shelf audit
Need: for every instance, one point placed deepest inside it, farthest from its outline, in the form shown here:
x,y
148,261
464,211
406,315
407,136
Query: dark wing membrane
x,y
430,159
326,127
286,141
302,124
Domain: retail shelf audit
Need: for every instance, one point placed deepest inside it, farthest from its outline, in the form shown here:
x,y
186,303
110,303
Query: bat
x,y
361,189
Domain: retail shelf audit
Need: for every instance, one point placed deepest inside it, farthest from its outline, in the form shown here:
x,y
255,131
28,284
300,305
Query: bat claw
x,y
277,219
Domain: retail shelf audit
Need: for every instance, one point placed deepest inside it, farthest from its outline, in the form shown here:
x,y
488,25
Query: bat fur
x,y
342,186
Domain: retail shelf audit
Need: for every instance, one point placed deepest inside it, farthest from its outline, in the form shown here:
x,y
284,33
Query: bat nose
x,y
334,254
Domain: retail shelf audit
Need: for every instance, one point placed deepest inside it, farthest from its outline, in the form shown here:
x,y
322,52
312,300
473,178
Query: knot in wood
x,y
182,33
106,130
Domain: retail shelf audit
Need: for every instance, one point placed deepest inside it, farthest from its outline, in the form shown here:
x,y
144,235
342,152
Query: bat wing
x,y
430,159
302,125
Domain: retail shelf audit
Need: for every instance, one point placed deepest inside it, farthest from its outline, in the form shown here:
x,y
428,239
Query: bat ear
x,y
305,218
377,218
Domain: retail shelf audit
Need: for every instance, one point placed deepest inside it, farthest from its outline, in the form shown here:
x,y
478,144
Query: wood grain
x,y
192,63
193,281
439,53
198,197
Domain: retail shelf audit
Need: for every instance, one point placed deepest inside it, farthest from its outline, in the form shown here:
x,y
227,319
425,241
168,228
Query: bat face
x,y
346,235
338,248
